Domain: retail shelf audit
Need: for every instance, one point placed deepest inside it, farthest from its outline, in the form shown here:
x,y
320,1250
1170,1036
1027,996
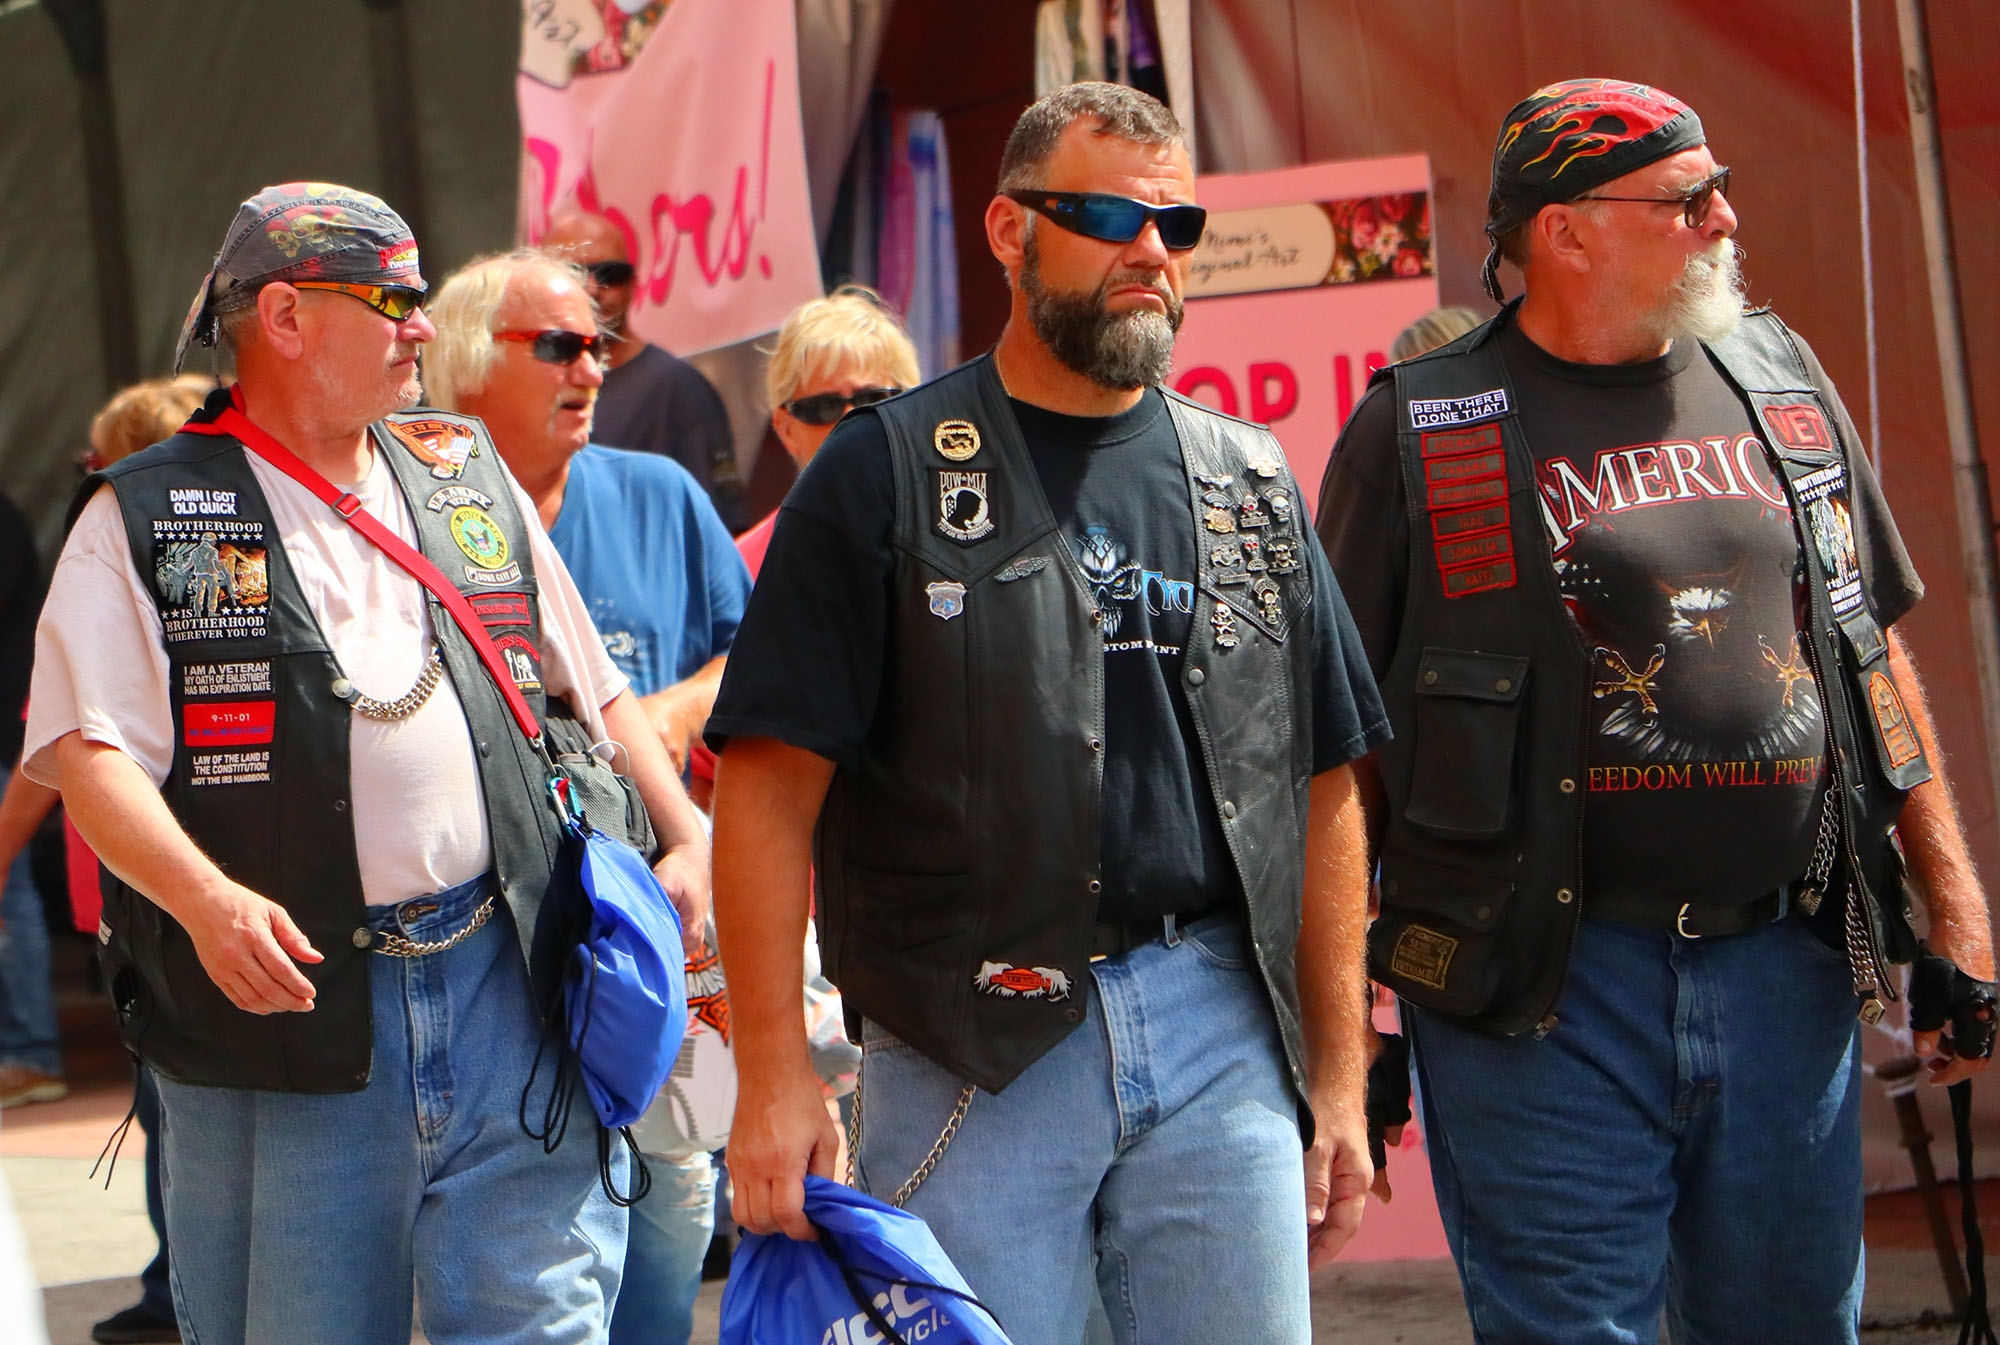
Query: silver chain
x,y
404,705
1819,870
924,1169
397,945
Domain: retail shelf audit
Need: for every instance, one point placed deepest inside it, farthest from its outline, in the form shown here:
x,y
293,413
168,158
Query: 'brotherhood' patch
x,y
963,512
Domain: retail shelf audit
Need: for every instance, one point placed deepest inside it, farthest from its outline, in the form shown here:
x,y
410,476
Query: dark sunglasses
x,y
610,274
1116,219
394,302
556,346
1694,203
826,408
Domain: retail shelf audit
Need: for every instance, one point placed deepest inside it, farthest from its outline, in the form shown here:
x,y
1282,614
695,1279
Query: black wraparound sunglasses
x,y
1695,202
826,408
610,274
1116,219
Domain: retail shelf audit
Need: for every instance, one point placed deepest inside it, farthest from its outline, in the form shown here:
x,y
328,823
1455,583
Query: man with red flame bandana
x,y
1627,584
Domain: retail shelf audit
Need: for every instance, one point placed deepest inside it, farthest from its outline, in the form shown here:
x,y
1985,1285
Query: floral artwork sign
x,y
1343,242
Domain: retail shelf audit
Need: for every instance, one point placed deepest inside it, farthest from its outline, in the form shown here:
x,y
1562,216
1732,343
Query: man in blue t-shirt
x,y
518,346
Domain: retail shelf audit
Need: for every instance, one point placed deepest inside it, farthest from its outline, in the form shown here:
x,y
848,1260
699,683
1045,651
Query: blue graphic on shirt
x,y
1123,587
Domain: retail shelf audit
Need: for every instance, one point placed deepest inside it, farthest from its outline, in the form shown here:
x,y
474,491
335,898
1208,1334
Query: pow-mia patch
x,y
1021,567
1005,982
956,440
453,497
441,445
1489,405
479,537
1423,955
947,598
963,512
1899,739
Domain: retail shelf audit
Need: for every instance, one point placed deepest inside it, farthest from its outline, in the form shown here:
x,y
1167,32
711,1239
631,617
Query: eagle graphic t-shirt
x,y
1675,554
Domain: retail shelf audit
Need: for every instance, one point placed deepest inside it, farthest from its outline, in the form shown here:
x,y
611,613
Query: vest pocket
x,y
1468,719
1436,940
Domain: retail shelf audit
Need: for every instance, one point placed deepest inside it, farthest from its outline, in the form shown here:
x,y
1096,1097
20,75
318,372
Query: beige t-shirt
x,y
419,819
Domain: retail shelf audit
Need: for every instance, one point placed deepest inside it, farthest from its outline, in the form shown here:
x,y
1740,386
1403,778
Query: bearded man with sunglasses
x,y
652,401
1046,679
328,838
1628,584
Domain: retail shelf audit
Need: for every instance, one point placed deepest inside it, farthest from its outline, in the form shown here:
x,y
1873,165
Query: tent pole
x,y
82,27
398,144
1970,487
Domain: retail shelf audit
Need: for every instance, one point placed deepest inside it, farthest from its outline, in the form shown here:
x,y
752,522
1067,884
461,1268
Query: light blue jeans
x,y
309,1218
670,1232
1159,1141
1687,1138
27,994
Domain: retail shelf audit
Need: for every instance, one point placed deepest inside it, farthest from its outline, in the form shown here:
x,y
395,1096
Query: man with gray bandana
x,y
1046,678
1628,585
328,840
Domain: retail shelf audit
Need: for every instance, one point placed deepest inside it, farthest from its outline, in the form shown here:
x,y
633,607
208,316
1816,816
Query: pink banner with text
x,y
678,120
1302,280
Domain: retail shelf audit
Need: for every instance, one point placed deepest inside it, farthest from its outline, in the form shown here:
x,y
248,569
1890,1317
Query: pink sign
x,y
678,120
1302,281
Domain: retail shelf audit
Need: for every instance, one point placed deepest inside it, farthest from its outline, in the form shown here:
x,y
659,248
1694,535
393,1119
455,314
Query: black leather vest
x,y
1481,860
260,777
959,865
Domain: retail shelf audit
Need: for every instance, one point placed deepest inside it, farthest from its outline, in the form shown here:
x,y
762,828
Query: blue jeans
x,y
314,1217
1687,1138
1159,1140
670,1232
27,994
156,1294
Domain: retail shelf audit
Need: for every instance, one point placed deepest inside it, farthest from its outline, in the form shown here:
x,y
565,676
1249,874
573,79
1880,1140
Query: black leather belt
x,y
1691,919
1113,938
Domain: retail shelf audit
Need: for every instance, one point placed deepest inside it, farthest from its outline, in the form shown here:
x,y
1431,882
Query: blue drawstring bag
x,y
623,994
875,1277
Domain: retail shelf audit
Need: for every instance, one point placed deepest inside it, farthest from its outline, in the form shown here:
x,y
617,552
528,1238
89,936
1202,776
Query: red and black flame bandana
x,y
1565,139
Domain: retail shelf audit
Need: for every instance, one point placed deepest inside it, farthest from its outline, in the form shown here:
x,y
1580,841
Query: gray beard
x,y
1120,351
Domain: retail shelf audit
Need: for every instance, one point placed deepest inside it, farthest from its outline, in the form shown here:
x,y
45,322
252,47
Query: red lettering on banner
x,y
1264,407
671,221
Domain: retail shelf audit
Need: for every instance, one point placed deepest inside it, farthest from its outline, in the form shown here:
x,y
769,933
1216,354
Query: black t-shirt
x,y
658,403
1675,554
807,663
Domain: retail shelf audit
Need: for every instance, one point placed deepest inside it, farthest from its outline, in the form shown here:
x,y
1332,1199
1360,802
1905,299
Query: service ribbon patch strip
x,y
1465,479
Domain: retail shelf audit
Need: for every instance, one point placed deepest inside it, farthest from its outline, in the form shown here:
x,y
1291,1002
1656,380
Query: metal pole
x,y
1970,487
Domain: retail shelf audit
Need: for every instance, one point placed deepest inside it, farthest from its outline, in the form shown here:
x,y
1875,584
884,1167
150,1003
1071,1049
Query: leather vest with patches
x,y
260,776
1489,690
959,865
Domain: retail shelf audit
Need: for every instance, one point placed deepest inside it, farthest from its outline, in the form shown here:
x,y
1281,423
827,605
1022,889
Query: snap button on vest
x,y
1565,896
1196,677
342,688
340,805
1568,786
1093,886
362,937
1228,812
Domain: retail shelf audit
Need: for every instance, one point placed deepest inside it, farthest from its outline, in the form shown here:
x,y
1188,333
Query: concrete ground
x,y
88,1240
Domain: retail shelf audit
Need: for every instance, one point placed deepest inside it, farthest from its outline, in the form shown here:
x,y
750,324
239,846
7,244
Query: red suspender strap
x,y
259,441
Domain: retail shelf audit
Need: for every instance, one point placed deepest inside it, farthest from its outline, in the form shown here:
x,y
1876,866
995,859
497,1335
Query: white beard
x,y
1706,301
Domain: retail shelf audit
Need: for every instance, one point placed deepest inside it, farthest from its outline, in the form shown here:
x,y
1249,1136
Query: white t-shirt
x,y
419,818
